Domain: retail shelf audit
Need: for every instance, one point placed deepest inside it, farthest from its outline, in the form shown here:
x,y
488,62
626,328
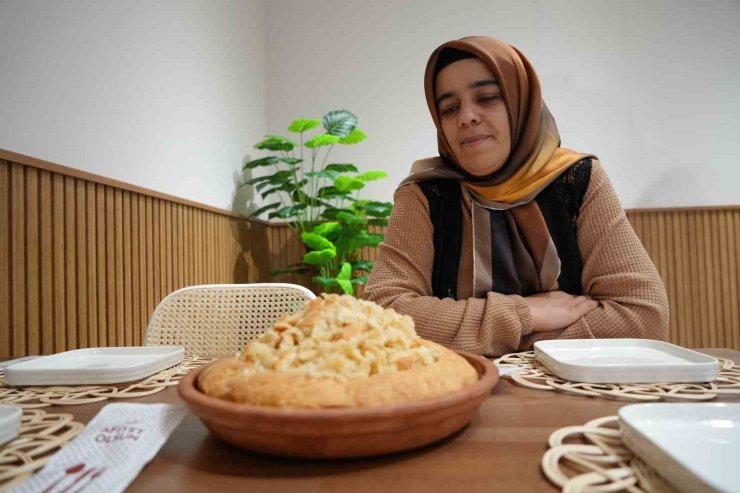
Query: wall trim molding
x,y
14,157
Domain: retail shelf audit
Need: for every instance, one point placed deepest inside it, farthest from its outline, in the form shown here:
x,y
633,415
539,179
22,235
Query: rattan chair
x,y
219,319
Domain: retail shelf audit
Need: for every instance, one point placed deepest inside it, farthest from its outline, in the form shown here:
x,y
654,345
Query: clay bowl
x,y
338,433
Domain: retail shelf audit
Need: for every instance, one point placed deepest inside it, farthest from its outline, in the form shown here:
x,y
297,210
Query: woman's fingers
x,y
556,309
579,300
586,306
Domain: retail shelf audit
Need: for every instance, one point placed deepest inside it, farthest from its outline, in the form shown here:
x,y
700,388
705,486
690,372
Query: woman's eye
x,y
487,99
449,110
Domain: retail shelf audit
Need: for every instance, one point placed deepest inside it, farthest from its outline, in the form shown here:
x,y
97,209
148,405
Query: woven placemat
x,y
593,458
532,374
36,397
40,437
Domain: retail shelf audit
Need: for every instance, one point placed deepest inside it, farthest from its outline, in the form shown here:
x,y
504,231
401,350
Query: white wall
x,y
650,87
165,94
172,94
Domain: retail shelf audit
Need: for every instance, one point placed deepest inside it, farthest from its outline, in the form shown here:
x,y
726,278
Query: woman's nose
x,y
468,117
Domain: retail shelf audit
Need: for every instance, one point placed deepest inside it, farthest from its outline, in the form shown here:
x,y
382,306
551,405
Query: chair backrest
x,y
219,319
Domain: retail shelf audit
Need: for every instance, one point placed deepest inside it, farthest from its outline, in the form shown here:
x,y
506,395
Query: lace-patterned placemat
x,y
592,458
37,397
40,437
532,374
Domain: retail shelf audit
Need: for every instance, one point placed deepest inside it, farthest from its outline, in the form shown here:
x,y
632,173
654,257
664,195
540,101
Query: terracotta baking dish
x,y
336,433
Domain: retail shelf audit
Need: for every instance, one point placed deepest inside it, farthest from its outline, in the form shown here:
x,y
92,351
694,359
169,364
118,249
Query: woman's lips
x,y
474,141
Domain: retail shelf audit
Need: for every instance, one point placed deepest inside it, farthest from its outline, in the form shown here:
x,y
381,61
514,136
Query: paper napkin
x,y
111,451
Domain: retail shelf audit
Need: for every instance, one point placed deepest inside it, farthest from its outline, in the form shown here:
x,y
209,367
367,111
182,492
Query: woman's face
x,y
473,116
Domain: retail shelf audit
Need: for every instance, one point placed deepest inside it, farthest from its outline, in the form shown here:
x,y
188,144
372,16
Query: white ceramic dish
x,y
10,422
693,446
624,361
94,366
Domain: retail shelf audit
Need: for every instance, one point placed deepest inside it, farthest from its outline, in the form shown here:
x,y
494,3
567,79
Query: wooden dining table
x,y
500,450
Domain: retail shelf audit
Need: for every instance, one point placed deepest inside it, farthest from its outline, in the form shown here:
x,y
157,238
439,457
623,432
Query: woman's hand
x,y
557,309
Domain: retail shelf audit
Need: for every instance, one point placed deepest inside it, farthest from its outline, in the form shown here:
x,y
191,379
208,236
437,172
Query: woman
x,y
507,238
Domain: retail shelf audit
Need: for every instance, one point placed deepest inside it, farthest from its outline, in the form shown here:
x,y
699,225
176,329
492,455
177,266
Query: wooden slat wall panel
x,y
58,281
82,259
5,261
696,252
70,264
92,265
18,282
47,287
33,262
84,263
102,271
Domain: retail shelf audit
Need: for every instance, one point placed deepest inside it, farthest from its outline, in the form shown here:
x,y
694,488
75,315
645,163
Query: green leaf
x,y
324,280
339,123
345,272
330,213
282,176
303,124
264,209
360,240
316,242
292,187
378,222
342,168
327,229
365,265
264,161
348,218
302,198
319,257
259,179
270,191
282,184
346,183
378,209
331,193
287,212
329,175
276,143
359,280
374,239
322,140
346,286
290,160
373,175
355,137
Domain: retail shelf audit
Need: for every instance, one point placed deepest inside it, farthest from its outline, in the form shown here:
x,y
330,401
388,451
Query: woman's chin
x,y
481,169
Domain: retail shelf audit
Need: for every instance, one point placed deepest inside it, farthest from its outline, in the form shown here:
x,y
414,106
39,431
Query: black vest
x,y
560,203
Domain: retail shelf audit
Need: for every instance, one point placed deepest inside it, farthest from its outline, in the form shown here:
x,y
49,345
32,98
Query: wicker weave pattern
x,y
218,320
592,458
41,436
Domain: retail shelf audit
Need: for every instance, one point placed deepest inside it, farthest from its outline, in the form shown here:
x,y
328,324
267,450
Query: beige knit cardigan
x,y
617,272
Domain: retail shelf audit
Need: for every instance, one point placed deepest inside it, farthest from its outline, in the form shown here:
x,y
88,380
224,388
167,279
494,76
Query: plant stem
x,y
323,165
304,213
296,181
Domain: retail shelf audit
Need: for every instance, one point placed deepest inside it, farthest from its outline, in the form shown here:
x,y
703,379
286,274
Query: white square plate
x,y
95,366
10,422
624,361
693,446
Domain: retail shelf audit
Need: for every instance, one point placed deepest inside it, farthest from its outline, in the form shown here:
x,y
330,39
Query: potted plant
x,y
322,201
